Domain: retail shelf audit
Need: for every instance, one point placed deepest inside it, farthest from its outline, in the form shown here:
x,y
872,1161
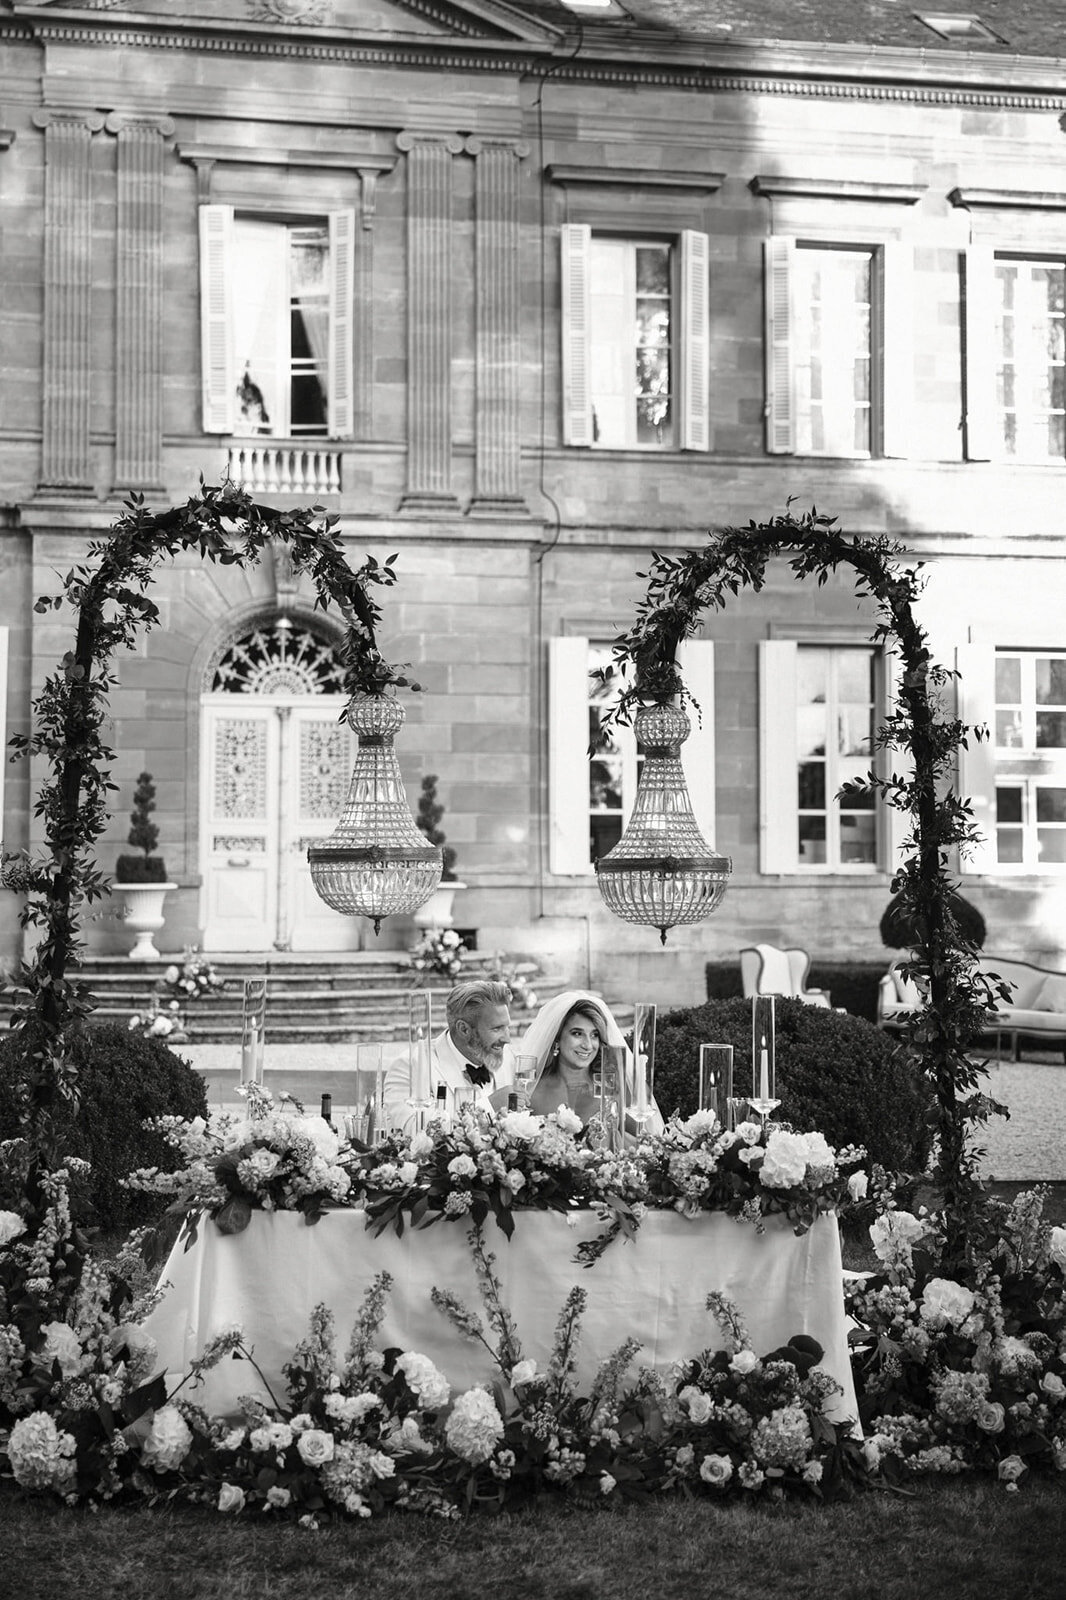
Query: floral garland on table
x,y
963,1368
520,1160
269,1160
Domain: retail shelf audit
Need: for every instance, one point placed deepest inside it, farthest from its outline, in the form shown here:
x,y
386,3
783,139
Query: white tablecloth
x,y
271,1276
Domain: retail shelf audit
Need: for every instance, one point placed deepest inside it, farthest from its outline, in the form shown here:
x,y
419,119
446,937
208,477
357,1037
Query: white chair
x,y
767,969
898,998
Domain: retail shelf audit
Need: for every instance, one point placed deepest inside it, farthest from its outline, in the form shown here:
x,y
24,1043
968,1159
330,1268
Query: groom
x,y
471,1057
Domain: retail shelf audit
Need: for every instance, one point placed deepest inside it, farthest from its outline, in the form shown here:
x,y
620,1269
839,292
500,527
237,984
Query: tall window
x,y
281,327
833,351
635,358
835,709
839,348
819,706
1031,358
613,768
1030,742
276,324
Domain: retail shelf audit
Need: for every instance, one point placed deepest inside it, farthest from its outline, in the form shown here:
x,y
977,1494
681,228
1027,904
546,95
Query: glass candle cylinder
x,y
716,1082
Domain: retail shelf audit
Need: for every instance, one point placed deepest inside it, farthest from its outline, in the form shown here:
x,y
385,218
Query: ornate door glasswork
x,y
276,762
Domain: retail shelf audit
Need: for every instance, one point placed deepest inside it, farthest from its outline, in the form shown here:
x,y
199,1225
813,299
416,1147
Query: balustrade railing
x,y
299,469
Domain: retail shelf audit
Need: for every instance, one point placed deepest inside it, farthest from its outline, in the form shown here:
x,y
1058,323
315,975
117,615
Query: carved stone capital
x,y
451,142
57,117
140,121
477,142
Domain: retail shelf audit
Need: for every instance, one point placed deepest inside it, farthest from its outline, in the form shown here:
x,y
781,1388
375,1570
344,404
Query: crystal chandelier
x,y
376,862
662,873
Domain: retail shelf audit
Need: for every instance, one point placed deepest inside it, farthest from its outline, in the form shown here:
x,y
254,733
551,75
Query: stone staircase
x,y
361,997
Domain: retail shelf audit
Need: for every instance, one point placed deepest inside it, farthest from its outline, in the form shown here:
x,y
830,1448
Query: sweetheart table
x,y
270,1277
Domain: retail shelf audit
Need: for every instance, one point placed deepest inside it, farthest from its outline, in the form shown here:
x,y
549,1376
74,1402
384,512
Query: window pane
x,y
1050,804
1051,730
1051,845
1008,845
1008,680
833,351
1050,680
604,834
812,840
1008,805
858,839
653,269
605,784
1008,730
811,786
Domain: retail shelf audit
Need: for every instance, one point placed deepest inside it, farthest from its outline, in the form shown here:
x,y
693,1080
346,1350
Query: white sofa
x,y
1036,1009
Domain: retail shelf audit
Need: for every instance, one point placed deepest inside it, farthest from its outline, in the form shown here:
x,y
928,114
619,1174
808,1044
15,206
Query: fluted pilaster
x,y
139,301
498,360
66,457
429,322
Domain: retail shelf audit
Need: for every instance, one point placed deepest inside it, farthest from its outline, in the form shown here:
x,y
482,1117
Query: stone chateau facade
x,y
522,292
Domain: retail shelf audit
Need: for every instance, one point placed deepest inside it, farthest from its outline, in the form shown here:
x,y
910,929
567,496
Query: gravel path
x,y
1029,1147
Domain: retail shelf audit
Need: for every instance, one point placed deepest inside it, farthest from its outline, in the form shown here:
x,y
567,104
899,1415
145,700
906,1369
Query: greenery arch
x,y
108,594
679,589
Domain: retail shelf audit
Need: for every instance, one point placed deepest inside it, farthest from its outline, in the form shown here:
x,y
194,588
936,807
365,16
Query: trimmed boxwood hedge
x,y
123,1078
851,984
838,1074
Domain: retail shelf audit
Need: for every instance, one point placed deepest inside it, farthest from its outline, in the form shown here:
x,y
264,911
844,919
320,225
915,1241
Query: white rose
x,y
699,1123
516,1181
12,1226
315,1447
607,1483
743,1362
421,1146
945,1301
62,1345
716,1470
171,975
1053,1385
408,1172
858,1184
567,1121
523,1372
523,1125
1057,1247
462,1166
230,1497
696,1402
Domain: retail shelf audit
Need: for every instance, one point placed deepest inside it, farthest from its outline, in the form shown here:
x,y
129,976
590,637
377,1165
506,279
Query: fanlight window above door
x,y
278,657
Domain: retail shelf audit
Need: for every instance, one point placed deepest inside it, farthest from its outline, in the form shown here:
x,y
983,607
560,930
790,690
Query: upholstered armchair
x,y
766,969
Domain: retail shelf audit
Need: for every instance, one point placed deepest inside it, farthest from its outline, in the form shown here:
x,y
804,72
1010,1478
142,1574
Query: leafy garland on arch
x,y
108,593
679,589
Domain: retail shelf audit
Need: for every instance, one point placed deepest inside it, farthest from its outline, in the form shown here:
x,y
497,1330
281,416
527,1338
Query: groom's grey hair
x,y
467,998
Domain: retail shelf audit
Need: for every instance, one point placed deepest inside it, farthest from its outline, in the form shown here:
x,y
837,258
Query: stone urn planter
x,y
437,911
142,911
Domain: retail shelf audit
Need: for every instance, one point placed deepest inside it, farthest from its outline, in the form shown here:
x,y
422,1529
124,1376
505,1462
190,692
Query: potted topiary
x,y
437,910
141,879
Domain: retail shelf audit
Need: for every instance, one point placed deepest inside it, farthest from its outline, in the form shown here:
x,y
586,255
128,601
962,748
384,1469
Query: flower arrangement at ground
x,y
960,1361
268,1160
164,1015
159,1021
439,950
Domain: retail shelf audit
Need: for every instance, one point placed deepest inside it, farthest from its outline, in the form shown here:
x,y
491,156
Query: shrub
x,y
123,1078
850,984
430,814
144,836
835,1073
899,930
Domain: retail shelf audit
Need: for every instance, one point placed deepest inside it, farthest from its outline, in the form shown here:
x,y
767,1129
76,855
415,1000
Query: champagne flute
x,y
525,1076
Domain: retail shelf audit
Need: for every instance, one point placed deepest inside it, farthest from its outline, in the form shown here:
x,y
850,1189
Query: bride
x,y
565,1038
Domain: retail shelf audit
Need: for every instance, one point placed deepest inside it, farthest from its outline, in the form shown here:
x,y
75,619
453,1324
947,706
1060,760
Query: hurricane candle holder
x,y
608,1080
716,1083
642,1104
420,1042
763,1098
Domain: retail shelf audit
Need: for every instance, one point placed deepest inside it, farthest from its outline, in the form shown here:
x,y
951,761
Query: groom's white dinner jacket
x,y
448,1067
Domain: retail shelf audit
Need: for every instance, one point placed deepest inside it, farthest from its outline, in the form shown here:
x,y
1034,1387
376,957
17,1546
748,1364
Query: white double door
x,y
275,773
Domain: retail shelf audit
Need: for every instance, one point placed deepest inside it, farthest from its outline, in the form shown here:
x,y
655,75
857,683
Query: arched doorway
x,y
275,765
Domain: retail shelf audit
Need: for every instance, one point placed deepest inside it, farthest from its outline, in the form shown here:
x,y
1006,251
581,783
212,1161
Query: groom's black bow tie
x,y
479,1076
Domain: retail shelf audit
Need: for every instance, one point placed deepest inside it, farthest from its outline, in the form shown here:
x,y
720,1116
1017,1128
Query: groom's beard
x,y
485,1055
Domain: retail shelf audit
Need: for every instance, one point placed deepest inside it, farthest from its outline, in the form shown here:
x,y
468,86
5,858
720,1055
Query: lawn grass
x,y
958,1540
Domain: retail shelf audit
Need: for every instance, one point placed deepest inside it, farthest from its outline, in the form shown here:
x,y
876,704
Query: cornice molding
x,y
783,187
1008,199
571,176
283,156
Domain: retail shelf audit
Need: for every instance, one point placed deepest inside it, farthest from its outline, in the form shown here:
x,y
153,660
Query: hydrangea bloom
x,y
946,1303
62,1345
40,1453
12,1226
424,1380
474,1427
168,1440
785,1160
893,1235
783,1439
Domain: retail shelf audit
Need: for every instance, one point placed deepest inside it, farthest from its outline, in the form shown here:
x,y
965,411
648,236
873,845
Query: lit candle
x,y
640,1098
420,1069
247,1059
764,1070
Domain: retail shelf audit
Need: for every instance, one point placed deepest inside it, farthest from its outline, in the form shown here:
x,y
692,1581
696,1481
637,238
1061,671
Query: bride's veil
x,y
542,1031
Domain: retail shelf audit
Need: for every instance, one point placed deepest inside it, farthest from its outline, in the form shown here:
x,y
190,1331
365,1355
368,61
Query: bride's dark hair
x,y
591,1013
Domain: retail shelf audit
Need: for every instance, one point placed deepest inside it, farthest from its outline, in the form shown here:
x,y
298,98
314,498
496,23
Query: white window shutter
x,y
575,240
898,824
979,346
5,638
341,292
895,335
976,666
695,337
218,379
696,660
779,255
568,757
778,807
